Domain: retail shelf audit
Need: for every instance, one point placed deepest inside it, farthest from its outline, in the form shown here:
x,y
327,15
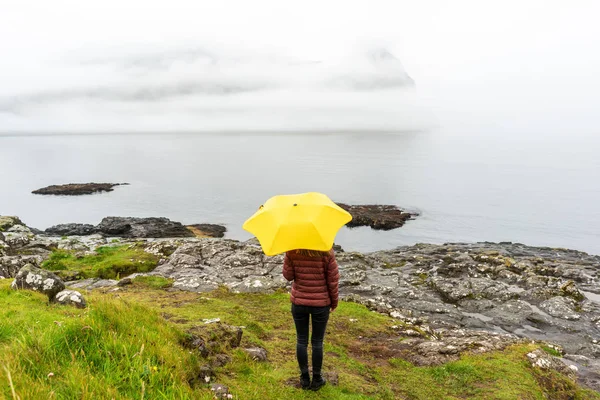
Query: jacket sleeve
x,y
333,278
288,268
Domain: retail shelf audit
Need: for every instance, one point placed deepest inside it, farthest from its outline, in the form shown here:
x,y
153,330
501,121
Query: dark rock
x,y
208,230
32,278
213,338
70,297
257,353
202,376
197,343
142,228
35,231
77,189
71,230
379,217
221,360
206,373
219,391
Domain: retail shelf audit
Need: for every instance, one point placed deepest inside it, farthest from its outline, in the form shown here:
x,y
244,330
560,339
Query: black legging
x,y
320,316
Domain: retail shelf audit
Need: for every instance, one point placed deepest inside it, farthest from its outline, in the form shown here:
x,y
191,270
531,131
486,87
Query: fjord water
x,y
467,186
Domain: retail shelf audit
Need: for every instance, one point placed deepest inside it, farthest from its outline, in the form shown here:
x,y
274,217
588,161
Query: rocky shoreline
x,y
378,217
449,298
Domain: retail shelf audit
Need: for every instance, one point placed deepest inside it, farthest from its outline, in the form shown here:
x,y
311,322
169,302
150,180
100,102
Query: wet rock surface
x,y
77,189
528,292
379,217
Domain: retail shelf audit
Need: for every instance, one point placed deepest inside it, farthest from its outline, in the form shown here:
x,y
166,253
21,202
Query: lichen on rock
x,y
39,280
71,297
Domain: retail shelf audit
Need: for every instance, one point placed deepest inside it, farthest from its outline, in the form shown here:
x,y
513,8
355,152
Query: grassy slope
x,y
109,262
121,347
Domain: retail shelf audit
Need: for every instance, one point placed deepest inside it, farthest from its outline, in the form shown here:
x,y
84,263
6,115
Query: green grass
x,y
153,282
128,344
551,351
109,262
114,349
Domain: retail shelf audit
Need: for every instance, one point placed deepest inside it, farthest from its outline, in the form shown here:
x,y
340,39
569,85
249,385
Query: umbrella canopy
x,y
297,221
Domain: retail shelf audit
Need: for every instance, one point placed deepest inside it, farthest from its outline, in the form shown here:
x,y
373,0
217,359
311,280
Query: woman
x,y
314,293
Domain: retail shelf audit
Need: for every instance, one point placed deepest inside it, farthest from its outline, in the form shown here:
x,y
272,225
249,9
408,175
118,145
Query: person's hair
x,y
312,253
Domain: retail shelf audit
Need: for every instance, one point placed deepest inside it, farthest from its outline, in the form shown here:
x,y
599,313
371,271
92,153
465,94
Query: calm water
x,y
467,187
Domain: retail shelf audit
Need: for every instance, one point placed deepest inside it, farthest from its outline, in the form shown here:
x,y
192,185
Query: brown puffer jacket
x,y
315,279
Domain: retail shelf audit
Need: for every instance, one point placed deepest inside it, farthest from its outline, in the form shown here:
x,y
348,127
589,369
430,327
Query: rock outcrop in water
x,y
447,298
127,227
72,230
142,228
209,230
378,217
77,189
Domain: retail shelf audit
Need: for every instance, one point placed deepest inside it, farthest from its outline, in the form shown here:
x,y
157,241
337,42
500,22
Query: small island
x,y
77,189
378,217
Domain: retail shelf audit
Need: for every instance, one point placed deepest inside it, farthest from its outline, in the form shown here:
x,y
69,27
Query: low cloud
x,y
201,86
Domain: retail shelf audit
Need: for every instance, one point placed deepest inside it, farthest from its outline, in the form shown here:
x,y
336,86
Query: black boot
x,y
305,381
317,382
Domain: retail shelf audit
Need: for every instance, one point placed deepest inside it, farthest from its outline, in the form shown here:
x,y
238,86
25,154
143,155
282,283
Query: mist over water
x,y
196,89
182,65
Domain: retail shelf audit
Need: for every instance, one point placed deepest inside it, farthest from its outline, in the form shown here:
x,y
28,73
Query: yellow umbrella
x,y
297,221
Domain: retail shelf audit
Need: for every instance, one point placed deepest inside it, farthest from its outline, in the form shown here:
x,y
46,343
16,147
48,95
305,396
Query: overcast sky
x,y
539,48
